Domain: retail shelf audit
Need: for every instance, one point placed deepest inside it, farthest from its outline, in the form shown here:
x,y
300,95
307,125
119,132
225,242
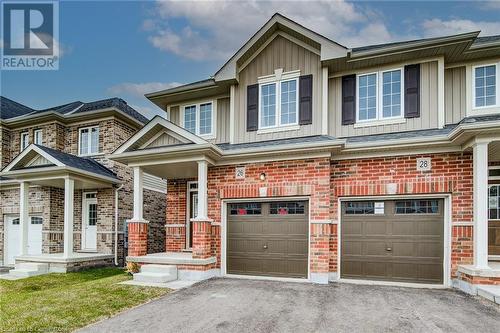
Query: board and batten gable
x,y
280,53
222,119
428,107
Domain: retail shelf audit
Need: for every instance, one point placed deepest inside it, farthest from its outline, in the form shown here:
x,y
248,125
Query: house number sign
x,y
424,164
240,173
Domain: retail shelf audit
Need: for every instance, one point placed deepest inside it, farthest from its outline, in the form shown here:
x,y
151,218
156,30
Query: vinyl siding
x,y
280,53
428,107
454,94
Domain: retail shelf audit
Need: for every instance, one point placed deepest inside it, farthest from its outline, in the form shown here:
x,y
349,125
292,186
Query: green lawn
x,y
65,302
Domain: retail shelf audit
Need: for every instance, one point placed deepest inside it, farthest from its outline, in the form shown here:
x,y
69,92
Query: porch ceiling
x,y
173,170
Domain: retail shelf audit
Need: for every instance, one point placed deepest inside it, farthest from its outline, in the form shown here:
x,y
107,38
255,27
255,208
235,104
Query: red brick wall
x,y
176,215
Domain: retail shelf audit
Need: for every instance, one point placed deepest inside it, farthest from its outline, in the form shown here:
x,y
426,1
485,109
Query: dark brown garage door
x,y
399,240
267,238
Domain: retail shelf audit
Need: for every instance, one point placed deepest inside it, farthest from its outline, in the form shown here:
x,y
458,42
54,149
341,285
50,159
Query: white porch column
x,y
480,232
202,190
138,195
69,194
24,216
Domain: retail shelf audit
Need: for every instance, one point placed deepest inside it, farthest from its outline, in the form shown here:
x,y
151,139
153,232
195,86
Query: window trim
x,y
21,140
277,79
497,86
89,140
35,132
490,186
380,119
197,104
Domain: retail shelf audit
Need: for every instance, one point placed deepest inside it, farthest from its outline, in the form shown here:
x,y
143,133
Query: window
x,y
494,202
417,207
286,208
36,220
88,140
360,208
279,102
199,118
92,214
25,140
380,95
15,221
253,208
485,86
37,137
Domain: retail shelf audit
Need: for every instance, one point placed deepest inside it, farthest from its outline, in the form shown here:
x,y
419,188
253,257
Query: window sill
x,y
278,129
91,155
380,122
484,110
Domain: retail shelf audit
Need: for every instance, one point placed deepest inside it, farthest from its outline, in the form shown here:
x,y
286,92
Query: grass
x,y
65,302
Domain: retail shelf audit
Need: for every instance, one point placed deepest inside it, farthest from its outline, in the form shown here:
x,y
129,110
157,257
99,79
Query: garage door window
x,y
286,208
36,220
417,207
15,222
360,208
246,209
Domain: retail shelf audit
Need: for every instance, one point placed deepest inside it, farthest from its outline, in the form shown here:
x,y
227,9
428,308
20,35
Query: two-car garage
x,y
389,240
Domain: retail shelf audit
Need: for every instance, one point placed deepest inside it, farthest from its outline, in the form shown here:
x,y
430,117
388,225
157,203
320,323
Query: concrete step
x,y
491,293
24,273
165,269
154,277
33,266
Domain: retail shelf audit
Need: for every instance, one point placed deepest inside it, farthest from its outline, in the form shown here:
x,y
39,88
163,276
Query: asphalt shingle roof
x,y
11,109
269,143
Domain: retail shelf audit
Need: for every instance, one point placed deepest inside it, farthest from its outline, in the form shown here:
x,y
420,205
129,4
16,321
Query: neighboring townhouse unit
x,y
63,203
303,158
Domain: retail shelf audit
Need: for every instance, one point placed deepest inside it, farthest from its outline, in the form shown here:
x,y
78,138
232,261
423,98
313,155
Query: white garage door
x,y
13,244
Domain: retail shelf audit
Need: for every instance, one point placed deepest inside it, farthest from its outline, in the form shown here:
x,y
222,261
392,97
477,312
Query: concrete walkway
x,y
231,305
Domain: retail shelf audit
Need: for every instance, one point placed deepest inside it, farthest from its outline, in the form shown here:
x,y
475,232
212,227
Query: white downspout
x,y
116,223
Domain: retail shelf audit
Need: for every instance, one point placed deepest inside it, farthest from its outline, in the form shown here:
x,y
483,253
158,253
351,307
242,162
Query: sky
x,y
129,48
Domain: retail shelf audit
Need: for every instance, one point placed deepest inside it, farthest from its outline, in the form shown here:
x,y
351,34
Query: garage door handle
x,y
389,249
265,246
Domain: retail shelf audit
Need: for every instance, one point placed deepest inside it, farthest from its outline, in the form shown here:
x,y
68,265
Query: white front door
x,y
13,239
35,235
89,221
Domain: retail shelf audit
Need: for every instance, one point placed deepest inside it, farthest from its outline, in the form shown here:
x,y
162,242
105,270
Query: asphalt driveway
x,y
231,305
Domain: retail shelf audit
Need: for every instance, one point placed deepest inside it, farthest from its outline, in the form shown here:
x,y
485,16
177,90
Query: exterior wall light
x,y
262,176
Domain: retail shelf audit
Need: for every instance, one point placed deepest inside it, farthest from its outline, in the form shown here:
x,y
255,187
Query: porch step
x,y
156,274
27,269
491,293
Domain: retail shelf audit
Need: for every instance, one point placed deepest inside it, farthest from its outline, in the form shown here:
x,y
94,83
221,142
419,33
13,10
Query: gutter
x,y
116,223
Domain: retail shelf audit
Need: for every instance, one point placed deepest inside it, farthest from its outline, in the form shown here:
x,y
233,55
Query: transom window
x,y
25,140
36,220
360,208
286,208
485,86
279,103
88,141
199,118
380,95
37,137
252,208
417,207
494,202
15,221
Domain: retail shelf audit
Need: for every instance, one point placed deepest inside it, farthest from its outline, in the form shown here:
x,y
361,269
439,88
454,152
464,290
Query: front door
x,y
13,244
90,221
35,235
193,205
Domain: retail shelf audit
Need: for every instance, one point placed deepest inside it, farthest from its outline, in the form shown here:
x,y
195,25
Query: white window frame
x,y
89,143
21,143
497,86
380,119
35,134
277,79
197,104
490,186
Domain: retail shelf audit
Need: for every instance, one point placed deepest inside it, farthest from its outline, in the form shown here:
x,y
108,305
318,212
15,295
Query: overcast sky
x,y
128,48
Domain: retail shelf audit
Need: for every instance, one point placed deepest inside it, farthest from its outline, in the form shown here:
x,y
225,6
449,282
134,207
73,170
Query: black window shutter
x,y
305,99
348,99
412,91
252,107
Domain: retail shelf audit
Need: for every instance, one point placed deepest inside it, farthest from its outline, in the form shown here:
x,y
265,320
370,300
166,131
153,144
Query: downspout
x,y
116,223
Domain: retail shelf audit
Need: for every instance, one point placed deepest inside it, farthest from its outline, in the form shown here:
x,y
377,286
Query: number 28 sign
x,y
424,164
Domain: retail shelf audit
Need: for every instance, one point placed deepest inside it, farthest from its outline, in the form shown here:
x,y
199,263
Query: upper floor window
x,y
379,95
485,86
25,140
88,141
279,103
199,118
37,137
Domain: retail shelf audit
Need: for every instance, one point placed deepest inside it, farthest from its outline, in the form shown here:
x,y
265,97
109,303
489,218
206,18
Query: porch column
x,y
69,194
138,226
202,225
24,216
480,169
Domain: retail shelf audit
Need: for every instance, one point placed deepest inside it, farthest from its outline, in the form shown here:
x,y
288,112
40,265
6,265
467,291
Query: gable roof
x,y
10,109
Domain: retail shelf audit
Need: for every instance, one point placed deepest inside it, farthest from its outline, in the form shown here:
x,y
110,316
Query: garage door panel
x,y
402,244
245,245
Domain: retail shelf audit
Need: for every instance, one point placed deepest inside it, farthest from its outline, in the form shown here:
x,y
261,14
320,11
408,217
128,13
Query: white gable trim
x,y
26,151
157,120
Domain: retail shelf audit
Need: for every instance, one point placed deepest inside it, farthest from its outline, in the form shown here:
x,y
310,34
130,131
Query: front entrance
x,y
89,214
192,211
13,239
268,238
393,240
